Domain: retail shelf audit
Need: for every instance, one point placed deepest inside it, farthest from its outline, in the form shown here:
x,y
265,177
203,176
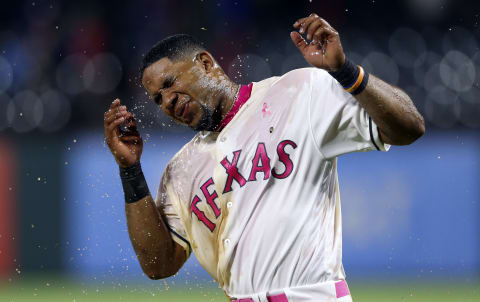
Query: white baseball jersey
x,y
258,202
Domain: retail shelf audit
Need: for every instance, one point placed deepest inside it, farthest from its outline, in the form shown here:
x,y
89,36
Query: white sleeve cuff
x,y
180,240
375,137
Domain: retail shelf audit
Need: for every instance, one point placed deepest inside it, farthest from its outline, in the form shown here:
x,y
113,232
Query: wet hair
x,y
174,47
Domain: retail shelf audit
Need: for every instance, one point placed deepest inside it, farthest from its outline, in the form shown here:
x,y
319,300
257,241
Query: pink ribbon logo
x,y
265,110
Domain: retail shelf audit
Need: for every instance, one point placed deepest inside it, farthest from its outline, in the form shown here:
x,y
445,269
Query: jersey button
x,y
229,204
223,139
226,242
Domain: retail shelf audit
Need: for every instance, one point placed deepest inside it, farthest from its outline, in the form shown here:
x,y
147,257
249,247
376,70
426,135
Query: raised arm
x,y
159,255
391,108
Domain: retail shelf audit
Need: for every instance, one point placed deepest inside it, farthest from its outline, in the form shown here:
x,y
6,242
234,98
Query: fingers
x,y
131,123
311,24
312,27
114,124
110,116
115,103
114,108
322,34
130,127
131,134
113,118
302,23
298,40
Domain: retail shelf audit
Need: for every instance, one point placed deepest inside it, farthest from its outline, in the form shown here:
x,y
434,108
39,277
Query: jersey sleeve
x,y
338,123
164,202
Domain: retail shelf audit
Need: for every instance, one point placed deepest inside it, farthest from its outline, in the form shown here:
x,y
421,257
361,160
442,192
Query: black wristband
x,y
134,184
347,75
362,85
352,77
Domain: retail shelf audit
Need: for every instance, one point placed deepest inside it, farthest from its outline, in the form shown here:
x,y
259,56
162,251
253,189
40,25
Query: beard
x,y
210,119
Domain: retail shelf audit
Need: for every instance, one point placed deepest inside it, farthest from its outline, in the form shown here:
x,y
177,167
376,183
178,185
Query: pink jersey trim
x,y
275,298
341,288
243,96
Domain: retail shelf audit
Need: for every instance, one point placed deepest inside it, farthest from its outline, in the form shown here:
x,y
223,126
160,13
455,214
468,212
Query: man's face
x,y
181,90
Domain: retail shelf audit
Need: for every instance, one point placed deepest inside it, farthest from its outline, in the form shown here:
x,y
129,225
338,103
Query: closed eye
x,y
166,84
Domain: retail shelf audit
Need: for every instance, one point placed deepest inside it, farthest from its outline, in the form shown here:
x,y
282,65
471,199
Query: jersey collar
x,y
242,98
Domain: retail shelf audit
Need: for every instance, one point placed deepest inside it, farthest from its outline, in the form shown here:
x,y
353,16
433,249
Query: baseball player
x,y
255,193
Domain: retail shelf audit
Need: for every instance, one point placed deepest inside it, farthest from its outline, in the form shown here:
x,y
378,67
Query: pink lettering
x,y
285,159
200,215
211,197
260,155
232,171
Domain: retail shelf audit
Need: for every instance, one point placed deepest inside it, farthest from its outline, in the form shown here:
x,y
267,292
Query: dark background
x,y
38,36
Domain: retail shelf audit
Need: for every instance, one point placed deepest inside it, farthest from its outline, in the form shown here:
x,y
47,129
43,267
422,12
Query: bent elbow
x,y
157,275
417,131
155,270
406,136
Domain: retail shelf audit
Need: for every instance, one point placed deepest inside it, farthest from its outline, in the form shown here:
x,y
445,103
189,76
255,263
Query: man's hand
x,y
126,146
325,50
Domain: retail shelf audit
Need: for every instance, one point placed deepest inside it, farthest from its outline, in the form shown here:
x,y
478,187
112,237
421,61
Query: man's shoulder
x,y
301,75
307,72
192,148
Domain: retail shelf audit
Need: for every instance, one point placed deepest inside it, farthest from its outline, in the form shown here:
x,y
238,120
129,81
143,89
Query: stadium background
x,y
411,216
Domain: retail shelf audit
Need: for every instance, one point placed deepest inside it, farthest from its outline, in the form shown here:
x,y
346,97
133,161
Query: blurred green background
x,y
55,289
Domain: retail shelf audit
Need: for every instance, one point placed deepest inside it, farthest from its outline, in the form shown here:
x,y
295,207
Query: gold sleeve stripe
x,y
358,81
180,240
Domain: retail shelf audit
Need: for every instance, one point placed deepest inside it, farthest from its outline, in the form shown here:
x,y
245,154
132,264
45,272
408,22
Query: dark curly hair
x,y
173,47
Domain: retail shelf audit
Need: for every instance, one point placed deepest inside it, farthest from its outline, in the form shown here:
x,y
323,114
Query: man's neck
x,y
230,97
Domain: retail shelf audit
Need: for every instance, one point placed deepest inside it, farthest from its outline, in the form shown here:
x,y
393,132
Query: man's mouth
x,y
181,110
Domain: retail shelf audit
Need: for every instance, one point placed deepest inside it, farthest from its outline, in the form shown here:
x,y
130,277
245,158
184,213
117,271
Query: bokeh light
x,y
407,47
381,66
457,71
56,110
470,107
70,73
6,74
429,10
4,103
102,73
442,107
28,111
459,38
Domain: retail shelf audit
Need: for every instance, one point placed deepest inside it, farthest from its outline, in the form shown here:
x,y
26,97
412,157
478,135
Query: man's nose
x,y
169,101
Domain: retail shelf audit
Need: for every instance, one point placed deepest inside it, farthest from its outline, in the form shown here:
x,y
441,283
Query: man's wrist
x,y
134,184
352,77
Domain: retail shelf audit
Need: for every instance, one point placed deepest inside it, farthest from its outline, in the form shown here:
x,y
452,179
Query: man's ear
x,y
206,60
